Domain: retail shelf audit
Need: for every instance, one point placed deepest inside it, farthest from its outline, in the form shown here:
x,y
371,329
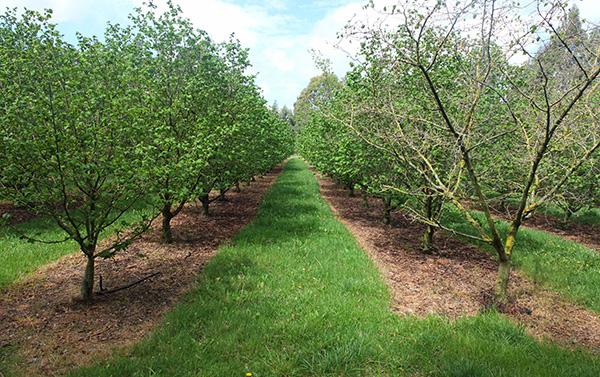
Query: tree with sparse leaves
x,y
467,120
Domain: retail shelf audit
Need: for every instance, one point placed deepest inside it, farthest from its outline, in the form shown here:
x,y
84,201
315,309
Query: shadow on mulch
x,y
457,281
17,214
52,332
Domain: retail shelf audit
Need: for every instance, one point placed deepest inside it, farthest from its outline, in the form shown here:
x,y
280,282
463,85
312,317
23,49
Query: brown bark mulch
x,y
456,281
52,332
17,214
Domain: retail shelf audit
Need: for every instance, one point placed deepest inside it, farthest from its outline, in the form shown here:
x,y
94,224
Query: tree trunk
x,y
433,207
351,191
205,203
427,240
166,235
387,208
501,289
87,286
365,199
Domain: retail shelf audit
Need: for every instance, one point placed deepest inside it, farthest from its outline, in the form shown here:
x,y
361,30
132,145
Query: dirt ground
x,y
457,281
17,214
56,332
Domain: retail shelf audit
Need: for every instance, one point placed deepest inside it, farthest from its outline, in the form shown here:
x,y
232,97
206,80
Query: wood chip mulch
x,y
455,282
52,332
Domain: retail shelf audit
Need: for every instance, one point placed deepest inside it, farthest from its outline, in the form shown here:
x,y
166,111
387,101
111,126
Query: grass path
x,y
294,295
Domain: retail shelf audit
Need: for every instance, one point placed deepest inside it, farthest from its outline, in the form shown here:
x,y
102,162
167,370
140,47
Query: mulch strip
x,y
17,214
457,281
53,332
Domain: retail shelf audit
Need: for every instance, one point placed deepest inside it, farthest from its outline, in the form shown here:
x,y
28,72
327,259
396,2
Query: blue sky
x,y
279,33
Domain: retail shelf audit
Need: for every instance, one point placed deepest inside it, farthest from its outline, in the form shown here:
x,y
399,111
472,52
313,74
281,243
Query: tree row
x,y
154,115
464,106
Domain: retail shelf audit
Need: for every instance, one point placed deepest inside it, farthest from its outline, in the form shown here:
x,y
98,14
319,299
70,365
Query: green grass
x,y
20,257
562,265
585,215
294,295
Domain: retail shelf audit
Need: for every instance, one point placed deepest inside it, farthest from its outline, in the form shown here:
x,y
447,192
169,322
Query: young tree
x,y
70,119
181,65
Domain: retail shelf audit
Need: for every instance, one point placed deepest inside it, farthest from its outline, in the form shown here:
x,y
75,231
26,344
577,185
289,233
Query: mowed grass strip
x,y
294,295
562,265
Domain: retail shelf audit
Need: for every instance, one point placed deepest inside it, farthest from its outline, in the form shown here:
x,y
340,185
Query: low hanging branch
x,y
103,292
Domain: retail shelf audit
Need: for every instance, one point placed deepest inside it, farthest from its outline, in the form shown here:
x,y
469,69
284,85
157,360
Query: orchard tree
x,y
481,118
319,90
70,119
560,64
223,123
243,137
365,100
180,68
581,190
206,115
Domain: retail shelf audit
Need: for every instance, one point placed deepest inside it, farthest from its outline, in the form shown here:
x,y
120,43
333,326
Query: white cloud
x,y
589,9
332,24
280,59
286,73
88,17
220,19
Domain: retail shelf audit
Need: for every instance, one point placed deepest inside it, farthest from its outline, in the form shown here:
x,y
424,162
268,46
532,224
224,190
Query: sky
x,y
279,33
